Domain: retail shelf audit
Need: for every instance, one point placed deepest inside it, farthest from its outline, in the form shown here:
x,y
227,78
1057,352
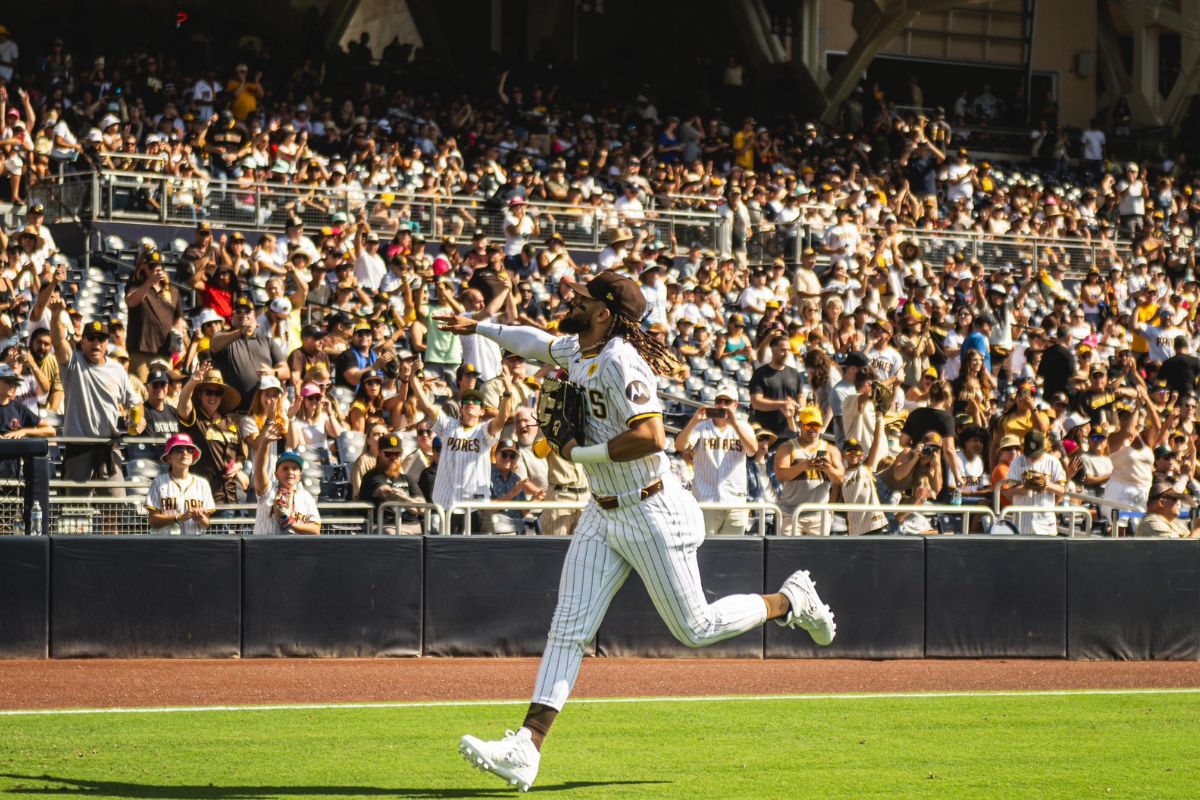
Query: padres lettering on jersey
x,y
718,463
621,389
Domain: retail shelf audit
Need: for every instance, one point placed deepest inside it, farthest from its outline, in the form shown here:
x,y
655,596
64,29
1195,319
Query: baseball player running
x,y
638,516
720,441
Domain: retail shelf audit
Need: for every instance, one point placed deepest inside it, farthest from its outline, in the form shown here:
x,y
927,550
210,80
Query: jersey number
x,y
596,400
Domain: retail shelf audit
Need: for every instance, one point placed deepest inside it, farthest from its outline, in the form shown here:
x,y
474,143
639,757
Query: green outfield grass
x,y
979,746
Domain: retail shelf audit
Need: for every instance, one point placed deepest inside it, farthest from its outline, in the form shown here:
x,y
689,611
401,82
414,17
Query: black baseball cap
x,y
1034,444
95,328
243,302
157,376
619,294
473,394
390,441
312,332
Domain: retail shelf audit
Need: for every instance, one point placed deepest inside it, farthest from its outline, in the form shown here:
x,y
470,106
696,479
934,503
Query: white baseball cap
x,y
269,382
207,316
280,305
727,390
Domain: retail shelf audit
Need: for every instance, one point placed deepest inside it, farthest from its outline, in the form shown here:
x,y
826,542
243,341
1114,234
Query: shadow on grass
x,y
53,785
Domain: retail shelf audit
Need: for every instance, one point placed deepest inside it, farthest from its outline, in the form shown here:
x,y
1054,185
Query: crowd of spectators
x,y
872,373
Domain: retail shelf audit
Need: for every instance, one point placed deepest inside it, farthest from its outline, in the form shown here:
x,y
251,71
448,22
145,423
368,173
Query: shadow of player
x,y
54,785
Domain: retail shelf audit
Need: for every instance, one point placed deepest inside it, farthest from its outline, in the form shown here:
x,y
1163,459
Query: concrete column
x,y
1145,67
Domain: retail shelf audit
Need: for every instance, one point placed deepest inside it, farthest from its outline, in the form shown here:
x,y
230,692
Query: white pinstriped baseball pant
x,y
658,538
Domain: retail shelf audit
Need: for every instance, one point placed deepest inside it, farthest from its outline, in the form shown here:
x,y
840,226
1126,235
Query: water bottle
x,y
35,519
956,498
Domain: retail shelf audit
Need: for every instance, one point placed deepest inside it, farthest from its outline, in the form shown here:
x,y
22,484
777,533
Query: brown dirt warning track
x,y
155,682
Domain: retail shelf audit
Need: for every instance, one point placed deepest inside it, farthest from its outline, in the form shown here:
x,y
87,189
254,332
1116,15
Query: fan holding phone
x,y
720,440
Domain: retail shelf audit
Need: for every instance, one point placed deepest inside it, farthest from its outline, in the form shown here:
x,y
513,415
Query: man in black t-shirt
x,y
386,482
1181,370
1058,365
775,390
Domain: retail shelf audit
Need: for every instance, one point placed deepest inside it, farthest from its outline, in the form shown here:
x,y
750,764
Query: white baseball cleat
x,y
513,759
807,611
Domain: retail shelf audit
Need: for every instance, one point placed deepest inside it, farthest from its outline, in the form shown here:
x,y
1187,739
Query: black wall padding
x,y
145,596
1133,599
490,596
632,627
993,597
875,586
24,596
331,596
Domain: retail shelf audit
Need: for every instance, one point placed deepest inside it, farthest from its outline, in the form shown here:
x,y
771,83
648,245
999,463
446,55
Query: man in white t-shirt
x,y
369,268
8,55
1131,202
204,92
1093,149
959,179
719,439
629,207
1040,481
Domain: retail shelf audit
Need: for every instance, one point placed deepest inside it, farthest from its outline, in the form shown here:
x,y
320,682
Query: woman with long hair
x,y
974,389
368,401
314,423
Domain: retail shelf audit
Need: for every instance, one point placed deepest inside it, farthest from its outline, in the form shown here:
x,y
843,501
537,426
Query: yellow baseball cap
x,y
810,415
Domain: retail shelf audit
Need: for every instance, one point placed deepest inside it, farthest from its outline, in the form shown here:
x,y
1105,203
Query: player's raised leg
x,y
659,539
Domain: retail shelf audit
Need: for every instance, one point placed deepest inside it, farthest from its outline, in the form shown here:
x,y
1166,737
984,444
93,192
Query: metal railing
x,y
467,507
388,517
1072,512
829,509
140,196
998,251
128,516
760,508
165,199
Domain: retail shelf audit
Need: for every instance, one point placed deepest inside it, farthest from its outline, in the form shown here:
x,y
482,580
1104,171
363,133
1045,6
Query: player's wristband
x,y
591,454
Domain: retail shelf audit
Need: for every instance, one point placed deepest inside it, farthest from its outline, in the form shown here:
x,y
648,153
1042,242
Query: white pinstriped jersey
x,y
718,464
621,388
170,496
465,465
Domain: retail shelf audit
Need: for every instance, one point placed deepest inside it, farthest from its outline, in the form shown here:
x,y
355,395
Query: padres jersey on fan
x,y
169,496
465,464
620,389
718,464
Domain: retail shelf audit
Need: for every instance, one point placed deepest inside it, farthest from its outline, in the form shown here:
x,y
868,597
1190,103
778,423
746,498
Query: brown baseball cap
x,y
618,293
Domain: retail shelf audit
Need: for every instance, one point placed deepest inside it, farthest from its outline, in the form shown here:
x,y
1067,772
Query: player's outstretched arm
x,y
528,342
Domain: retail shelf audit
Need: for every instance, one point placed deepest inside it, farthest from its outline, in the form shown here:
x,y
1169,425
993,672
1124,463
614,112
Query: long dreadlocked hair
x,y
657,355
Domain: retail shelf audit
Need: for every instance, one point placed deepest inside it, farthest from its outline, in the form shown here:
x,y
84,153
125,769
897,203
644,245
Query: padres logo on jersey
x,y
723,444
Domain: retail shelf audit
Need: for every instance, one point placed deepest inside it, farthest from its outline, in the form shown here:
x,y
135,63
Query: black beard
x,y
573,323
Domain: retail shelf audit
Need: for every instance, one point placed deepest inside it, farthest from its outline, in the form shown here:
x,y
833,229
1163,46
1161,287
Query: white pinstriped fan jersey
x,y
620,388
